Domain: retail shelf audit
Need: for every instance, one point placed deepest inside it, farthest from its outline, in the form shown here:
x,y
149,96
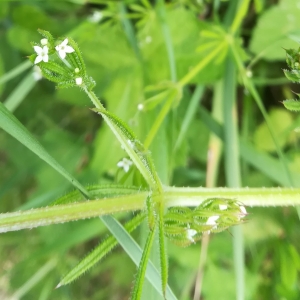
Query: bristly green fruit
x,y
185,226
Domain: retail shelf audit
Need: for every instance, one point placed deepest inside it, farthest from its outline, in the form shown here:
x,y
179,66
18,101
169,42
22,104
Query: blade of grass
x,y
19,93
12,125
232,167
212,171
16,71
34,279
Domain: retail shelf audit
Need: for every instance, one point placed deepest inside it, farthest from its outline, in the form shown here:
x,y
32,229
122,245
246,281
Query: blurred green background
x,y
124,47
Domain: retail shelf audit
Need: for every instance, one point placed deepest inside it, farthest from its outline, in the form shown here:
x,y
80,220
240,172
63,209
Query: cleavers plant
x,y
182,215
60,61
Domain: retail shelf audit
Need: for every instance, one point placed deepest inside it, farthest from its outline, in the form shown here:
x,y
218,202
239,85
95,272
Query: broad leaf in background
x,y
274,30
281,121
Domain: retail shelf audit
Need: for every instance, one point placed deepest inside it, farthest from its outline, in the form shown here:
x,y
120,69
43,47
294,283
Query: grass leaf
x,y
12,125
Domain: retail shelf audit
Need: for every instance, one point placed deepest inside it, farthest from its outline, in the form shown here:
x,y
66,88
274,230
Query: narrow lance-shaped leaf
x,y
140,276
99,252
134,148
97,191
162,251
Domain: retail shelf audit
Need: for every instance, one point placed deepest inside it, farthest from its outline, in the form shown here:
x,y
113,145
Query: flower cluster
x,y
60,61
185,226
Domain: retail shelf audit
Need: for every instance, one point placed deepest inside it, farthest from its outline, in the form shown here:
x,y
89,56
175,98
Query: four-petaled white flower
x,y
212,220
78,80
222,206
42,54
63,49
125,163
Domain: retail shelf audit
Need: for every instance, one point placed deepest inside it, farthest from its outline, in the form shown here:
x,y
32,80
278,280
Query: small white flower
x,y
222,206
37,73
78,80
63,49
125,163
212,220
140,107
42,54
44,42
96,17
190,233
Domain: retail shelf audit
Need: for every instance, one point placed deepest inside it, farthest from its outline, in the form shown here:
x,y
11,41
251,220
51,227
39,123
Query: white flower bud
x,y
44,42
78,80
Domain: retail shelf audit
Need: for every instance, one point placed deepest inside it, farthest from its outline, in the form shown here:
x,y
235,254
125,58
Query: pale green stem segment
x,y
160,118
243,8
190,113
190,197
99,252
140,276
194,71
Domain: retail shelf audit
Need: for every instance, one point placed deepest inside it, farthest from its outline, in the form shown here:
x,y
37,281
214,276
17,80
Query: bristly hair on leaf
x,y
292,104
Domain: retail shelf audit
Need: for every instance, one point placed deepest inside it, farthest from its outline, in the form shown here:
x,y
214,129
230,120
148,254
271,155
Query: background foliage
x,y
125,52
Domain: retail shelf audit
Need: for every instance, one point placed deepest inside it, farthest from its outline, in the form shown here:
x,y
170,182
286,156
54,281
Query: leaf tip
x,y
59,285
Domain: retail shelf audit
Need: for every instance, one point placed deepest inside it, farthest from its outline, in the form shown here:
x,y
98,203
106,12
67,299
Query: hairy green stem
x,y
171,196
